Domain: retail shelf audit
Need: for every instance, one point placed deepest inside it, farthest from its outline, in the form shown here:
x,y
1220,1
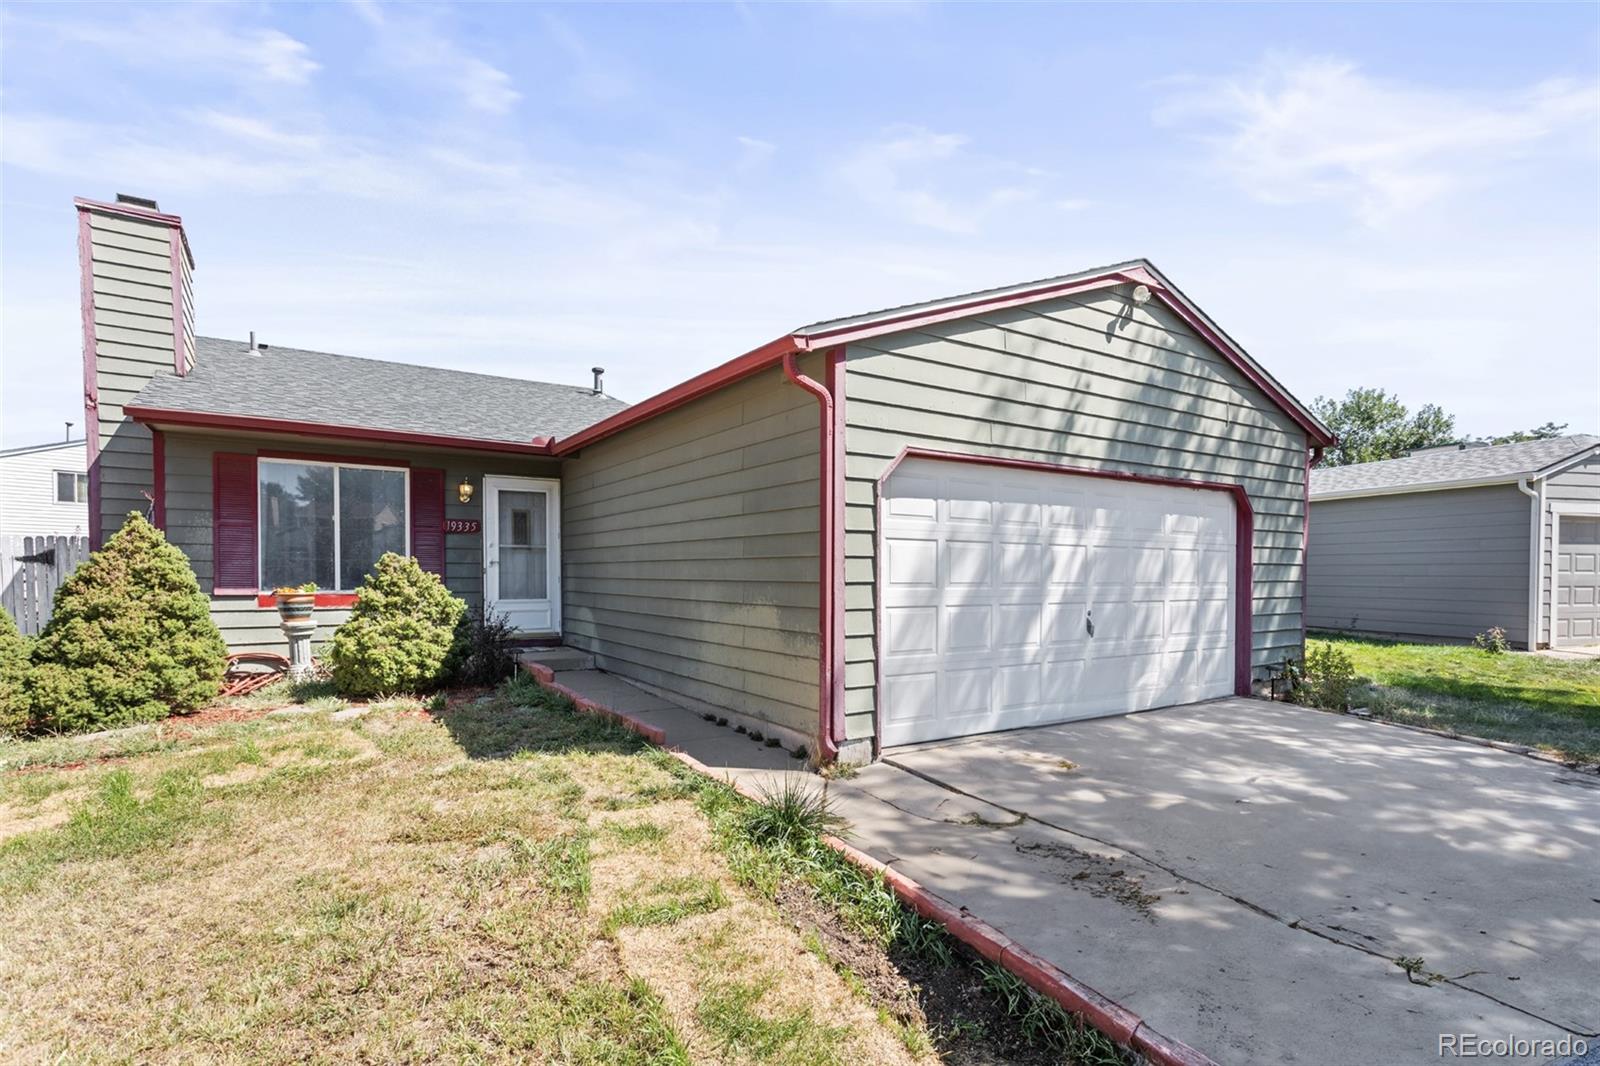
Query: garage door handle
x,y
1088,621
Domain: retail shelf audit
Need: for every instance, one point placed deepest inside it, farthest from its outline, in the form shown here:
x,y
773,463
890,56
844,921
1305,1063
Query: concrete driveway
x,y
1243,875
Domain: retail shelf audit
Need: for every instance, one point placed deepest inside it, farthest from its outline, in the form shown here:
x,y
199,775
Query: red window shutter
x,y
233,524
427,519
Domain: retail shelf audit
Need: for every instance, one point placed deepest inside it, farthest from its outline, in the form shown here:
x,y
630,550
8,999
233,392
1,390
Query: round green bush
x,y
13,677
130,638
399,634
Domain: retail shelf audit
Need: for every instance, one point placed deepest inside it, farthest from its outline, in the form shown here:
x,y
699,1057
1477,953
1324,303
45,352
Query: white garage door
x,y
1016,597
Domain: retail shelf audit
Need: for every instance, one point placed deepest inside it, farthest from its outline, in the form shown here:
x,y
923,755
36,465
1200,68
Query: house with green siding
x,y
1053,500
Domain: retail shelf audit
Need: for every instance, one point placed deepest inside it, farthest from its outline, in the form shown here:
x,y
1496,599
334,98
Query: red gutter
x,y
91,377
158,476
829,556
151,415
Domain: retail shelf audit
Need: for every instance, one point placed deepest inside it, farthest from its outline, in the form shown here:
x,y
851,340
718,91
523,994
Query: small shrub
x,y
1492,641
14,652
792,816
130,638
483,652
399,634
1326,679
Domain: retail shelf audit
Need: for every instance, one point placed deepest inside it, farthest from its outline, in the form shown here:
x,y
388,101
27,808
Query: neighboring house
x,y
44,490
1030,504
1447,542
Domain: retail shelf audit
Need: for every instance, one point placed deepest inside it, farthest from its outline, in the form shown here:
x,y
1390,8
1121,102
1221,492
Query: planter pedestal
x,y
299,631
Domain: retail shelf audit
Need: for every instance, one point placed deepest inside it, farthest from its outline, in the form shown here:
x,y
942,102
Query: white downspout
x,y
1535,559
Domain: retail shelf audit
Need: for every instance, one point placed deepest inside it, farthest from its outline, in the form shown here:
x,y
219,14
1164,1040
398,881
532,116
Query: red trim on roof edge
x,y
775,351
749,363
1244,549
91,377
206,420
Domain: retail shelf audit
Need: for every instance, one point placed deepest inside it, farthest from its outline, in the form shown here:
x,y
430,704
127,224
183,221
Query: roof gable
x,y
831,333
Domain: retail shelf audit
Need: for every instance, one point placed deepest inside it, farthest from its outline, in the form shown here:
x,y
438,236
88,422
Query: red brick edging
x,y
1106,1015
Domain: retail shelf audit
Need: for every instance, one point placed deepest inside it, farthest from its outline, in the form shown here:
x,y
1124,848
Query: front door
x,y
522,551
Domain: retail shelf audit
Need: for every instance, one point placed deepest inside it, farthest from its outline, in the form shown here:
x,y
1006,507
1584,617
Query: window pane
x,y
83,487
372,520
64,487
296,524
524,574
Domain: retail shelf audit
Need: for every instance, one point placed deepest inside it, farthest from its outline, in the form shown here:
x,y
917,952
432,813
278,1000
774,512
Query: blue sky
x,y
1404,196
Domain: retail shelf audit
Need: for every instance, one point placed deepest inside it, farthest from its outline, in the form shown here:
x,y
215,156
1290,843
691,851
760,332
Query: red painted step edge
x,y
1106,1015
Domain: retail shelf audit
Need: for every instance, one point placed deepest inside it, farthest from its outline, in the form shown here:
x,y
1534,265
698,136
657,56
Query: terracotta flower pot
x,y
295,606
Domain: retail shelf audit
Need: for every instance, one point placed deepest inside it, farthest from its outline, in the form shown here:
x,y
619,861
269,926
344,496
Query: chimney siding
x,y
138,322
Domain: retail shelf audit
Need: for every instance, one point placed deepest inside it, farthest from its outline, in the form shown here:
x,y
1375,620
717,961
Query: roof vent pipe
x,y
254,350
599,372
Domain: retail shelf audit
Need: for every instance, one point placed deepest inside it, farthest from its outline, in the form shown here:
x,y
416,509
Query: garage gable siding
x,y
1578,485
1091,381
1443,565
689,550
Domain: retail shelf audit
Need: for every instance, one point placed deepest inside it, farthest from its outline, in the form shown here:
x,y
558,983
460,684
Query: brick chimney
x,y
137,308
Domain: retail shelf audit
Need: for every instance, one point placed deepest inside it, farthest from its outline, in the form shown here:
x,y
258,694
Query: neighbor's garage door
x,y
1016,597
1578,582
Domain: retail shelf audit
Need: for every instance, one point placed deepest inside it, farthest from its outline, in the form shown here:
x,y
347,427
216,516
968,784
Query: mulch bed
x,y
971,1026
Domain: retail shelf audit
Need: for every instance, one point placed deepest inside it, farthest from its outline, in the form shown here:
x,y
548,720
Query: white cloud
x,y
416,44
1309,129
595,77
899,175
754,153
181,40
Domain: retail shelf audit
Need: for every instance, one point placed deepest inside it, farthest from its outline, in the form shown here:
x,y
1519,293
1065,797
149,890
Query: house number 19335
x,y
461,525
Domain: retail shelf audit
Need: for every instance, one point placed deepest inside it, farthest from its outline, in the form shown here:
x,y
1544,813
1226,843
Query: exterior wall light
x,y
464,491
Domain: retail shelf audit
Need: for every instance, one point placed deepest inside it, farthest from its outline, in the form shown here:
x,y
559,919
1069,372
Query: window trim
x,y
80,487
262,460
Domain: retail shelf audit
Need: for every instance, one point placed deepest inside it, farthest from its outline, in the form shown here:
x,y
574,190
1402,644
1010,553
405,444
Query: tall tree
x,y
1548,431
1373,425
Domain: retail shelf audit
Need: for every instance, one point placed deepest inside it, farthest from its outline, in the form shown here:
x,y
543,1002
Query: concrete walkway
x,y
1243,875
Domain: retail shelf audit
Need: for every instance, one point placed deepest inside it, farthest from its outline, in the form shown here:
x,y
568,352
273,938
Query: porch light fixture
x,y
464,491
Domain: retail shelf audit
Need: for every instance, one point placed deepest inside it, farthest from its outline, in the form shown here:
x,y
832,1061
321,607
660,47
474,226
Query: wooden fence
x,y
28,588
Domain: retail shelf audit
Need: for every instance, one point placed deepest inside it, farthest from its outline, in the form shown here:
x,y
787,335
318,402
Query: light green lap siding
x,y
247,627
131,299
1090,381
1437,565
689,551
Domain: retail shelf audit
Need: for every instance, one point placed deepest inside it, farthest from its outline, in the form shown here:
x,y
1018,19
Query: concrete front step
x,y
558,659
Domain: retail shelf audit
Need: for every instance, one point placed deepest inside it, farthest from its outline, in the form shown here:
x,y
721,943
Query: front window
x,y
328,523
71,487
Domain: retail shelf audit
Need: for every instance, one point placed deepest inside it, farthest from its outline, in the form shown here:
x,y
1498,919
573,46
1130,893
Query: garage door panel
x,y
967,628
1017,625
1022,563
911,562
911,630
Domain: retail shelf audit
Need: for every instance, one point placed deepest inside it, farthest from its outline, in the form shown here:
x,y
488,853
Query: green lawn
x,y
1553,704
478,879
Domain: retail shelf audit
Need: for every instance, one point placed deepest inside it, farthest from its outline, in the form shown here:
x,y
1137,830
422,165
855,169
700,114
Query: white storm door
x,y
522,551
1014,598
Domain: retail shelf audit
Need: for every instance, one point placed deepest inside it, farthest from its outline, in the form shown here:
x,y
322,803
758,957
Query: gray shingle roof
x,y
345,390
1431,469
